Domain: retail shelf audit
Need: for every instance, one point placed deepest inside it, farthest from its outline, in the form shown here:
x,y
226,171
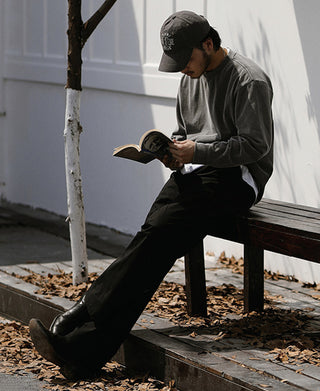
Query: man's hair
x,y
216,40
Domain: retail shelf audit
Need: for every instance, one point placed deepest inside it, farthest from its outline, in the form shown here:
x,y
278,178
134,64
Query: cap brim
x,y
175,62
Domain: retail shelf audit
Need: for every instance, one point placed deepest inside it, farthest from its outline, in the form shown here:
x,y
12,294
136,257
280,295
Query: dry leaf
x,y
280,331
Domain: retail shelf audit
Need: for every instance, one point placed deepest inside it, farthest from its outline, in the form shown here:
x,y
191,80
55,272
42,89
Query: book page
x,y
156,143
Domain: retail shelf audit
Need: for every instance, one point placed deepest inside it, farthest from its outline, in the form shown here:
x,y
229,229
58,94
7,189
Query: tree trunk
x,y
78,33
72,146
74,187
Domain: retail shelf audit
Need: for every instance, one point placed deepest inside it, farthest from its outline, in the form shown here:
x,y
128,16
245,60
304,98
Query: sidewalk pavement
x,y
35,236
28,235
21,382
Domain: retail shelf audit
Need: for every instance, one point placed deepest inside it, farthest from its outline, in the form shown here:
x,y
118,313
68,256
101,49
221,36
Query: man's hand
x,y
171,163
182,151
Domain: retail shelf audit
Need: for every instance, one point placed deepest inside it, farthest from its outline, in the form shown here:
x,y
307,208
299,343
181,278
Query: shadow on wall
x,y
287,131
307,17
261,52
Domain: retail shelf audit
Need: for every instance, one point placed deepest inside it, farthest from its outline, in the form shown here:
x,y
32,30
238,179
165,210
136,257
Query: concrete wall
x,y
124,95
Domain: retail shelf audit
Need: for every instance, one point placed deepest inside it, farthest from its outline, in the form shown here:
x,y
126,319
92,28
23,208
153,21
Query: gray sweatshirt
x,y
227,112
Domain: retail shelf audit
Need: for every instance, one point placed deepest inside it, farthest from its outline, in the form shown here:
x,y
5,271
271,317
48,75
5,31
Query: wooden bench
x,y
276,226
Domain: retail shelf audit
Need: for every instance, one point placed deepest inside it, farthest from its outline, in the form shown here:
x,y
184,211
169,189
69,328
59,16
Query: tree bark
x,y
78,33
74,32
95,19
74,187
72,146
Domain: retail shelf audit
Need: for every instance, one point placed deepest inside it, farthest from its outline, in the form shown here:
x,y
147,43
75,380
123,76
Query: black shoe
x,y
46,345
76,316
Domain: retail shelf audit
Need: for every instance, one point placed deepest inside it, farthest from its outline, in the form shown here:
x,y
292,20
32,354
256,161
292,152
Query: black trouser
x,y
177,220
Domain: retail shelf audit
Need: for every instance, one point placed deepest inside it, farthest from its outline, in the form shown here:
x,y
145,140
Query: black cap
x,y
179,34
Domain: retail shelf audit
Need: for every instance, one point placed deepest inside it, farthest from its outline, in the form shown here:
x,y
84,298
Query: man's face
x,y
198,63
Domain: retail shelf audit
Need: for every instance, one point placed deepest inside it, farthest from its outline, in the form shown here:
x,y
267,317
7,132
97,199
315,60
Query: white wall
x,y
281,36
2,104
124,94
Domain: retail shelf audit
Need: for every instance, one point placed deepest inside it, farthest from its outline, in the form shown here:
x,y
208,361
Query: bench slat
x,y
284,210
296,214
275,235
283,224
309,225
289,207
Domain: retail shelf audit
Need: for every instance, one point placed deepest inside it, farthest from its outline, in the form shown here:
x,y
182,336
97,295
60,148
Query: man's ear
x,y
207,45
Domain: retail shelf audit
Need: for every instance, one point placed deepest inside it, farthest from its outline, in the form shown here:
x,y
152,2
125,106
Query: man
x,y
222,158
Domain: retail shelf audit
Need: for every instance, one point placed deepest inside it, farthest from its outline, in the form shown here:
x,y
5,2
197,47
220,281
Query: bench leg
x,y
196,281
253,279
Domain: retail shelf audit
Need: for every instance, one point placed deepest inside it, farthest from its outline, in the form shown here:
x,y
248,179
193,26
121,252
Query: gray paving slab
x,y
18,382
22,382
100,238
21,244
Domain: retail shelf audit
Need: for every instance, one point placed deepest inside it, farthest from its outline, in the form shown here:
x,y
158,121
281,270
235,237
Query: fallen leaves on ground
x,y
18,357
223,301
237,265
59,284
290,336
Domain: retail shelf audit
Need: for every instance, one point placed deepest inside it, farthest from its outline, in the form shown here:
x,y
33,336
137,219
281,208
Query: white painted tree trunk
x,y
74,187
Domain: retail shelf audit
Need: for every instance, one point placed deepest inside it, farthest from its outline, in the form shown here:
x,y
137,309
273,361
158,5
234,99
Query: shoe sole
x,y
42,342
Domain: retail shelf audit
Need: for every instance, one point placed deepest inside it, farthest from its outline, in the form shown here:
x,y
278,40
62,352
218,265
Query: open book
x,y
153,144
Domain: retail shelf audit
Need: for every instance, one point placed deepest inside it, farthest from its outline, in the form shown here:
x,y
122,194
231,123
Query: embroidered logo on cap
x,y
167,41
